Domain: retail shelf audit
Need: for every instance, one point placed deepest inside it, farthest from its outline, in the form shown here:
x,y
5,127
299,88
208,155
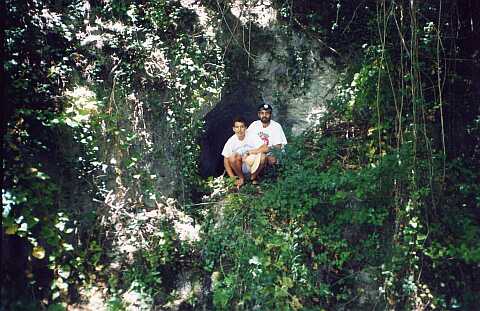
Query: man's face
x,y
239,129
265,116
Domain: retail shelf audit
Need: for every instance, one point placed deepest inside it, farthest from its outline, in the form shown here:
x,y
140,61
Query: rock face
x,y
296,78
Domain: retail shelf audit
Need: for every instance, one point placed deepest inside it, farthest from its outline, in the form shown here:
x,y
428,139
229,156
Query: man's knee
x,y
263,159
235,159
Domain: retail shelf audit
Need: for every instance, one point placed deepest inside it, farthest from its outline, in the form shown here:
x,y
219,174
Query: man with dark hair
x,y
269,131
243,154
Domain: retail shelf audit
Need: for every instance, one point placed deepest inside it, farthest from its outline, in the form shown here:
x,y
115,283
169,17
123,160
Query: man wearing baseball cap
x,y
269,131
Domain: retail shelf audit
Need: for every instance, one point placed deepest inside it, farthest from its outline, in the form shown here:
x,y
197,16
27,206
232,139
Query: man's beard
x,y
265,119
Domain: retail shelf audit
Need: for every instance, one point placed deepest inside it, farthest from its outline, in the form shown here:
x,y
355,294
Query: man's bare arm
x,y
262,149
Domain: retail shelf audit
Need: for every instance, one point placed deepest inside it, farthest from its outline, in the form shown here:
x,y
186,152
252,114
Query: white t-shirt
x,y
235,145
270,135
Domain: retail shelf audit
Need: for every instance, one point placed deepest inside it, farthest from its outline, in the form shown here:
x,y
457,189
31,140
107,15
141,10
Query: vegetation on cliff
x,y
374,206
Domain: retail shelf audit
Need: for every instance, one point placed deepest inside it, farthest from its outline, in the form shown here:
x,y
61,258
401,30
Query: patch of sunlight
x,y
92,298
203,16
315,114
262,14
183,223
83,104
8,201
128,248
137,298
156,65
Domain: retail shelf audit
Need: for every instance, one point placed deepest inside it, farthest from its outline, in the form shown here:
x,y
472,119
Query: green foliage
x,y
303,242
30,213
364,189
379,199
147,60
38,38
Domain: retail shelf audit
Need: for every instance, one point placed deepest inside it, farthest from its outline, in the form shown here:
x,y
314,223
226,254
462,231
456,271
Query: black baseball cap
x,y
264,107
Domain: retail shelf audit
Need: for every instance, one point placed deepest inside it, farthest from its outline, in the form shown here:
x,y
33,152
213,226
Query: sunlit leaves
x,y
38,252
11,229
83,105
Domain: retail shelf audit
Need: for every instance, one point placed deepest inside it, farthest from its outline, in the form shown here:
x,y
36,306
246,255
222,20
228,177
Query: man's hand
x,y
262,149
239,182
